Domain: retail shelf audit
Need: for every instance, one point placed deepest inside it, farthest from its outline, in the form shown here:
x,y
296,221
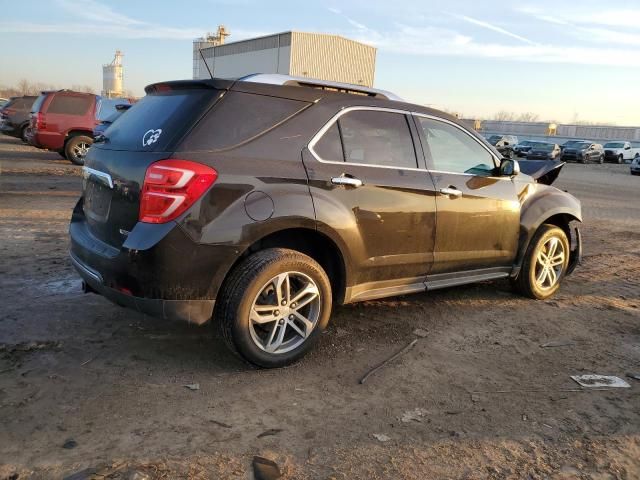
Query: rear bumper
x,y
158,269
193,311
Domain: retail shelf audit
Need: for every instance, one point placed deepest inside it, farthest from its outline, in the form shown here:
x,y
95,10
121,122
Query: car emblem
x,y
151,136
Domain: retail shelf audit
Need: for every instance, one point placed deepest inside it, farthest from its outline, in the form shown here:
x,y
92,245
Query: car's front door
x,y
369,189
478,211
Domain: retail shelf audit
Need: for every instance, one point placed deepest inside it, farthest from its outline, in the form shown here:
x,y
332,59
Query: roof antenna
x,y
205,63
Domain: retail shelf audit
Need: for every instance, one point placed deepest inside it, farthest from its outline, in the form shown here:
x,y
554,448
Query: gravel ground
x,y
86,386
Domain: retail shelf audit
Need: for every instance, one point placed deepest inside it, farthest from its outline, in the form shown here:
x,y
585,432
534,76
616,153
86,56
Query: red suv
x,y
64,120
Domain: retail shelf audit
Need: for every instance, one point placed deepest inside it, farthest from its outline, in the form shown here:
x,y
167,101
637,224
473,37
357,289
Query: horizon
x,y
568,64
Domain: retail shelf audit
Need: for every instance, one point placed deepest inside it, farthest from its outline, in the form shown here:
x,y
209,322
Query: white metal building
x,y
314,55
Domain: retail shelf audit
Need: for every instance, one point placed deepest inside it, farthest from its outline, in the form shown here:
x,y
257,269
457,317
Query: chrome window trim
x,y
344,111
104,177
496,160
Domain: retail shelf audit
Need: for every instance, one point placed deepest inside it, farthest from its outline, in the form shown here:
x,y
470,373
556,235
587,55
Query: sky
x,y
562,60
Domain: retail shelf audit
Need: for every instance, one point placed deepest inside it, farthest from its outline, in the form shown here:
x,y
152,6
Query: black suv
x,y
264,201
15,116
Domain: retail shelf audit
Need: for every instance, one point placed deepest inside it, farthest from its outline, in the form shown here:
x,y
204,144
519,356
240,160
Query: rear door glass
x,y
238,118
379,138
70,104
159,119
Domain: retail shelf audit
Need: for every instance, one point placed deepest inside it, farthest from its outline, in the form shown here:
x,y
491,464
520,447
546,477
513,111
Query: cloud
x,y
434,41
493,28
99,19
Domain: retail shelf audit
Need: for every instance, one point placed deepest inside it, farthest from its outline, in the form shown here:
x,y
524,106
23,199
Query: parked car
x,y
635,166
64,120
620,152
571,143
584,152
3,101
109,119
523,147
544,151
15,116
504,144
264,201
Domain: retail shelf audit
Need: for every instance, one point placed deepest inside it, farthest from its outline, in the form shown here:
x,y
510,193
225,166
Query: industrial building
x,y
555,132
113,77
315,55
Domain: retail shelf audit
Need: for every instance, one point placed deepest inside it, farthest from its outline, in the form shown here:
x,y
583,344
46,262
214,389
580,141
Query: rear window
x,y
239,117
159,119
70,104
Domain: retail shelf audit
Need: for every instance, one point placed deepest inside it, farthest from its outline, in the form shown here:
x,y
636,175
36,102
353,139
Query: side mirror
x,y
627,147
509,167
506,144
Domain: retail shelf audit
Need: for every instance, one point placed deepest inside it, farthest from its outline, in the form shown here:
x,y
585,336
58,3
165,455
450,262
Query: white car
x,y
620,152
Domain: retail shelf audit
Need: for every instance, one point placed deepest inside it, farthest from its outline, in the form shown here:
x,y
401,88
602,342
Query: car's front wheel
x,y
620,158
274,306
545,263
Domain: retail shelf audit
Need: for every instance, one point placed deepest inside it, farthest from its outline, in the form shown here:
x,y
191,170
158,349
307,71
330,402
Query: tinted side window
x,y
70,104
37,105
377,138
329,147
452,150
239,117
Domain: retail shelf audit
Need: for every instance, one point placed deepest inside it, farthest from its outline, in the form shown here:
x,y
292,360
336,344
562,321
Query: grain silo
x,y
112,77
314,55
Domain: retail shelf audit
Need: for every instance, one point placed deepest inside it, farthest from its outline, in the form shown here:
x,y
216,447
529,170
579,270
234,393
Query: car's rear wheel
x,y
23,133
545,263
76,148
274,306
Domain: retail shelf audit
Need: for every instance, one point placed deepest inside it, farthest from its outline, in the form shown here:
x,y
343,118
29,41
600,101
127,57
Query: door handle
x,y
348,181
451,191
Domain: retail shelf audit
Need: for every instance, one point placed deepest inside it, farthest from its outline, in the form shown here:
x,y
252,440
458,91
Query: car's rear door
x,y
478,212
369,189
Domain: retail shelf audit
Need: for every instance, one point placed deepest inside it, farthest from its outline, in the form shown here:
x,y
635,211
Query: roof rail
x,y
279,79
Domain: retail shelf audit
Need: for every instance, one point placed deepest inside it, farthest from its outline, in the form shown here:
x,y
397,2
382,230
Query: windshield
x,y
526,143
545,147
614,145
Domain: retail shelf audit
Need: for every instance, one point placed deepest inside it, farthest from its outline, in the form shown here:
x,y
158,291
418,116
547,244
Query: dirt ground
x,y
89,387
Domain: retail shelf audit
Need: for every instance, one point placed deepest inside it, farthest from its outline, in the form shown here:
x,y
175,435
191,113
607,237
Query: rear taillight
x,y
171,187
40,124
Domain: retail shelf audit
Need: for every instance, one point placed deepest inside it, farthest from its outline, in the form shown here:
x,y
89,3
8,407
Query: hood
x,y
543,171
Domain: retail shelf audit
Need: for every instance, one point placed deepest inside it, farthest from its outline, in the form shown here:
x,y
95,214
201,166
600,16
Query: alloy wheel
x,y
80,150
549,263
285,312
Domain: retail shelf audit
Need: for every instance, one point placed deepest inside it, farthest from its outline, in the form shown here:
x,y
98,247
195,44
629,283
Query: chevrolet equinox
x,y
261,202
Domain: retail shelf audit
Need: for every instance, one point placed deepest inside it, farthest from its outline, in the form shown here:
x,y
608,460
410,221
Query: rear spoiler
x,y
216,83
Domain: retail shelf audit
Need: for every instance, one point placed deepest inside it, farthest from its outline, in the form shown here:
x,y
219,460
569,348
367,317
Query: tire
x,y
23,134
528,283
601,159
253,282
620,159
76,148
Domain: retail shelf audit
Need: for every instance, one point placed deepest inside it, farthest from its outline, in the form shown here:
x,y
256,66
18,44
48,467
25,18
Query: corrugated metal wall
x,y
314,55
329,57
588,132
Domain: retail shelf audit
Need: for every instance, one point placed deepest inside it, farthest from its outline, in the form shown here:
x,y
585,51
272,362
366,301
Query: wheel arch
x,y
309,242
554,207
74,132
